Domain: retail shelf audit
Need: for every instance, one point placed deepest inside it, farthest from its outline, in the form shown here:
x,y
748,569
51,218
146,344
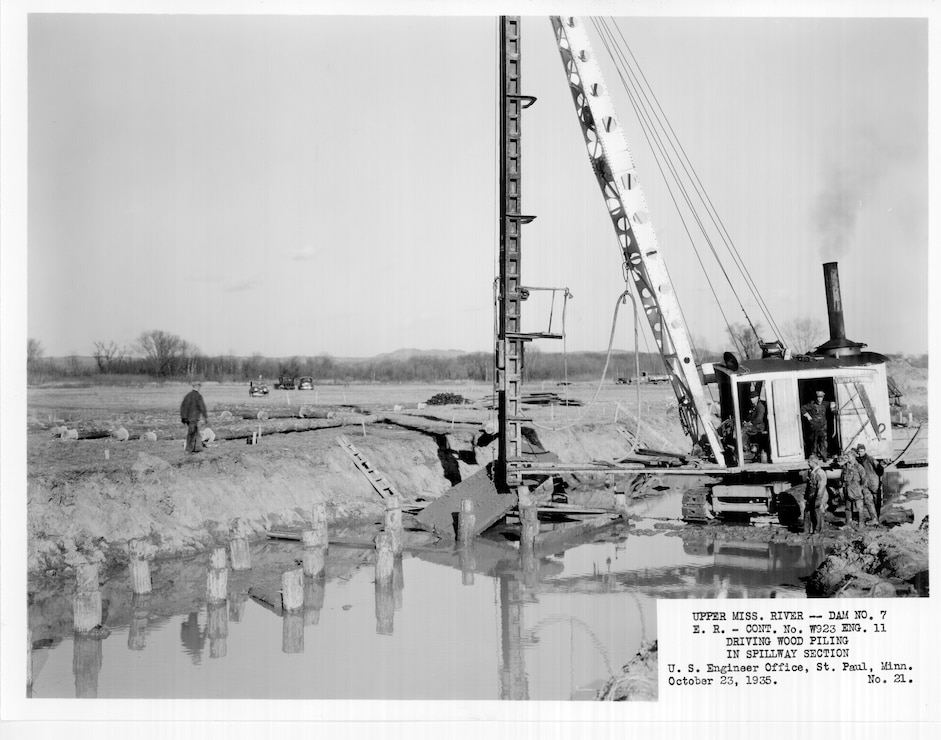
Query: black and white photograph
x,y
408,361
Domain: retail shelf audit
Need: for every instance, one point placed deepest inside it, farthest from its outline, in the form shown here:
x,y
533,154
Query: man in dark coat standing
x,y
872,482
815,412
192,408
755,427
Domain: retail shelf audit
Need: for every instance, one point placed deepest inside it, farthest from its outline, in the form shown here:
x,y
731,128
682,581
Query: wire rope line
x,y
704,196
637,93
650,132
593,638
636,440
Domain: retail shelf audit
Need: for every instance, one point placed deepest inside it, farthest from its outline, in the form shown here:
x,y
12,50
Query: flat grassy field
x,y
158,404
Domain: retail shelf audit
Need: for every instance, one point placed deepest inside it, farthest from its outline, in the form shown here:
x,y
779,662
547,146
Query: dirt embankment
x,y
87,498
184,503
877,564
637,680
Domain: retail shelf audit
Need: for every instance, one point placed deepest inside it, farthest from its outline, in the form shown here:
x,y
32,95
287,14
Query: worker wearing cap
x,y
872,482
191,410
815,412
816,498
754,426
852,480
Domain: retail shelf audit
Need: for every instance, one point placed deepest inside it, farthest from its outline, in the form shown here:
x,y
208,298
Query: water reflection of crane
x,y
743,564
519,586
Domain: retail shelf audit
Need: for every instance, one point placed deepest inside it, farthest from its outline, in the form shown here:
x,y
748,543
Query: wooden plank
x,y
571,509
412,539
558,537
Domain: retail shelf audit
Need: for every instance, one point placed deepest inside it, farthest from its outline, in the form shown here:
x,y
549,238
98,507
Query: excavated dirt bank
x,y
185,503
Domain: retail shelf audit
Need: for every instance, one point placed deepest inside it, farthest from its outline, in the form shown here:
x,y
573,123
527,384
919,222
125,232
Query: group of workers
x,y
860,474
860,483
860,479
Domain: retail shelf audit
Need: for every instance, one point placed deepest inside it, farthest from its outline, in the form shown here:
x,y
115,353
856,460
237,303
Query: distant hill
x,y
403,355
84,362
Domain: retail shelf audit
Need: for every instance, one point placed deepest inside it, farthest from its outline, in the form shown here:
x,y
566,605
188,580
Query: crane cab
x,y
855,391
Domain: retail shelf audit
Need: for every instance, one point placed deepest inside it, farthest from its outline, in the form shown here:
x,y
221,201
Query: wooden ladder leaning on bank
x,y
382,486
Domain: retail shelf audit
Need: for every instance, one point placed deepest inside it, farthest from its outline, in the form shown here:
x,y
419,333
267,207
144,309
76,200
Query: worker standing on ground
x,y
191,410
754,427
816,498
815,412
872,482
852,480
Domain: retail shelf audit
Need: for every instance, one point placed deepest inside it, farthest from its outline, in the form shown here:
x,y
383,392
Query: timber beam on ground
x,y
549,468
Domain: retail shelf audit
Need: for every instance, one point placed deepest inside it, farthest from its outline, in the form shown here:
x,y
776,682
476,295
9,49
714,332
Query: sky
x,y
306,185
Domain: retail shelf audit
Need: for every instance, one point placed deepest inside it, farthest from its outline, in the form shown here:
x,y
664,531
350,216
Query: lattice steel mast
x,y
510,338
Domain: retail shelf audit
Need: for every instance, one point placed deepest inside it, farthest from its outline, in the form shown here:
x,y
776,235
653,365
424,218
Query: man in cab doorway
x,y
815,414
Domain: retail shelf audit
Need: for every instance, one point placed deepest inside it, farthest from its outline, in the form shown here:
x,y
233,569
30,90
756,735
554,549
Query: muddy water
x,y
478,625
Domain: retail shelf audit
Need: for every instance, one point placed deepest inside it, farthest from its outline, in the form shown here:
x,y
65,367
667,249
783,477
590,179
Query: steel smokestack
x,y
831,281
838,345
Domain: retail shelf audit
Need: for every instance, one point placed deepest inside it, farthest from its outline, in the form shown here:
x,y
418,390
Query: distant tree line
x,y
160,355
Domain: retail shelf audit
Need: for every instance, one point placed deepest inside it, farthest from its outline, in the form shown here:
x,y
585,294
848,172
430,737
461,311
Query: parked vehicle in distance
x,y
622,381
287,383
306,383
646,378
257,388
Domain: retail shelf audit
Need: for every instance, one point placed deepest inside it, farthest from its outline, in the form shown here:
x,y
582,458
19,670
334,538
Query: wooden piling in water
x,y
86,611
240,553
314,562
393,524
318,526
139,568
217,577
86,604
467,521
385,559
292,590
620,503
529,525
86,577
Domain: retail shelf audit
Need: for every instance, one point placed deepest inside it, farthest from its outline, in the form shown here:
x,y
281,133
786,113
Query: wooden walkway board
x,y
559,537
376,479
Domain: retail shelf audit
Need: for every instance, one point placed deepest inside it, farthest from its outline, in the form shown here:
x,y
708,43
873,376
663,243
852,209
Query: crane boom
x,y
614,169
